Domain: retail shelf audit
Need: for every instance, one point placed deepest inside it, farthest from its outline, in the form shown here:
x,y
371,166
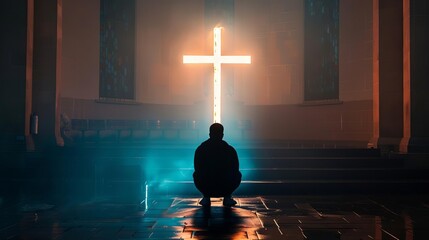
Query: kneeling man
x,y
216,168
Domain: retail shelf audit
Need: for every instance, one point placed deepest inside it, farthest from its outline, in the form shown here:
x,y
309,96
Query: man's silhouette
x,y
216,168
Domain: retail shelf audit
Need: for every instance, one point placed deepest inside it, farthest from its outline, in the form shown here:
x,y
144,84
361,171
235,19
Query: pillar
x,y
391,107
46,72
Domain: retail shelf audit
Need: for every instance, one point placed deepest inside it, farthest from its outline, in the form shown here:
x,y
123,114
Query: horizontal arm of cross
x,y
198,59
220,59
235,59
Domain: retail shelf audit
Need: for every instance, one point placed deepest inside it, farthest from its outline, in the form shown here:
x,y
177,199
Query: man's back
x,y
216,158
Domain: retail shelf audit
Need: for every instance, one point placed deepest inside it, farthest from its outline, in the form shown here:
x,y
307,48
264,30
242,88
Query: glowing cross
x,y
217,59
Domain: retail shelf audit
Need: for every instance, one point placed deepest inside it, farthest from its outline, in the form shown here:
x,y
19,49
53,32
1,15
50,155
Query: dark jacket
x,y
216,159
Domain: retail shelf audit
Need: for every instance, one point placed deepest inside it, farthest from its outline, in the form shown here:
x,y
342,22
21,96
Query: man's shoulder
x,y
206,142
228,147
203,144
209,142
227,144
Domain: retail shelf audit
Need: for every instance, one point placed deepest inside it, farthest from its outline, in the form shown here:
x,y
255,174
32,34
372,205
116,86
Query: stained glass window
x,y
321,50
117,31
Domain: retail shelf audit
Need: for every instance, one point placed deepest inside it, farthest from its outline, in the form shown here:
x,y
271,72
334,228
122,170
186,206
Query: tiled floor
x,y
264,217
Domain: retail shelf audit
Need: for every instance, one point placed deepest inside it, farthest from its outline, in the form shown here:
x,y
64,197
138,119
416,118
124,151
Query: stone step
x,y
300,187
309,174
178,149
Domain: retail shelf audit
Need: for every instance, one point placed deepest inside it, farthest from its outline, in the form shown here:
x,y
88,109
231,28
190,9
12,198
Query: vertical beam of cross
x,y
217,59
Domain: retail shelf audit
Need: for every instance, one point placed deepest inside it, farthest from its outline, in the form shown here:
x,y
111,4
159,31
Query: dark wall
x,y
419,63
419,67
13,25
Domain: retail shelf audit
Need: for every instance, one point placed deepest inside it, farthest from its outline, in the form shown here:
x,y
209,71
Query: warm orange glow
x,y
217,59
212,59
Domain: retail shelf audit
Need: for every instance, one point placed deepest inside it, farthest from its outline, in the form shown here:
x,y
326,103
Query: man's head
x,y
216,131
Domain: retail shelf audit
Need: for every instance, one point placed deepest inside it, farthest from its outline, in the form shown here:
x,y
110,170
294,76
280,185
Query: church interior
x,y
323,100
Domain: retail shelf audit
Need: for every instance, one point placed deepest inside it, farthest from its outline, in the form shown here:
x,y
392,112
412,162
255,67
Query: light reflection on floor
x,y
255,217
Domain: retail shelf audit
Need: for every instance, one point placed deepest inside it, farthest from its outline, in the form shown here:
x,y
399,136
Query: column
x,y
46,71
388,74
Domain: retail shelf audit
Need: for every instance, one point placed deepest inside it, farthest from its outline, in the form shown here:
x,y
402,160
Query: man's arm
x,y
197,160
235,162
